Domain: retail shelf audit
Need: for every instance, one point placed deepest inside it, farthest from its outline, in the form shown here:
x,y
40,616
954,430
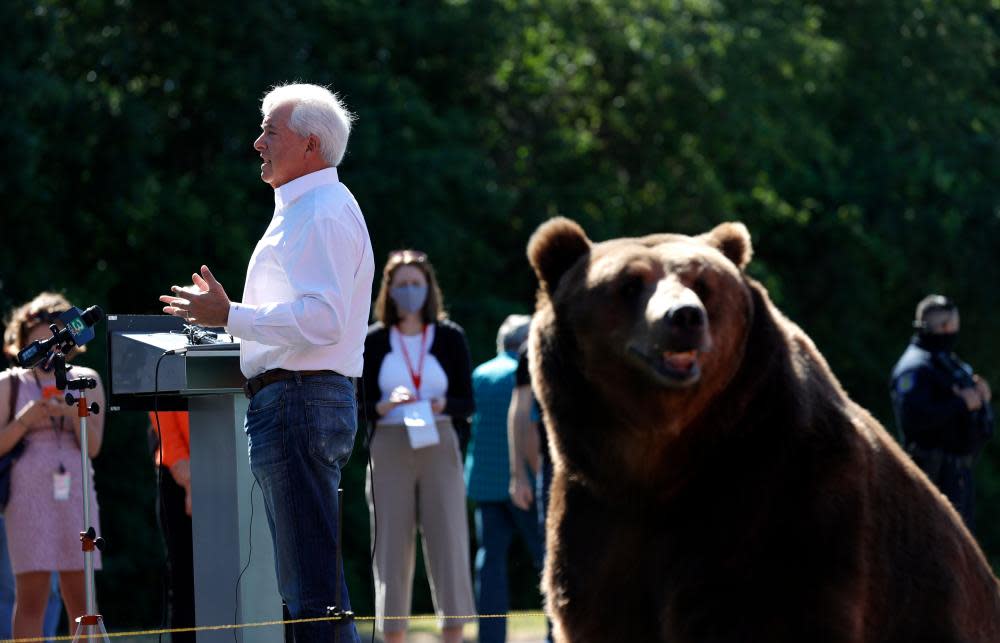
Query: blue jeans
x,y
301,433
53,610
496,524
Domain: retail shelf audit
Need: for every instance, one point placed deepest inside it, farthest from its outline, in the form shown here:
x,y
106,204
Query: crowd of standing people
x,y
305,342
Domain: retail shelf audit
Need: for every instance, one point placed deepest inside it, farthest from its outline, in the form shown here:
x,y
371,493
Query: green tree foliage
x,y
859,141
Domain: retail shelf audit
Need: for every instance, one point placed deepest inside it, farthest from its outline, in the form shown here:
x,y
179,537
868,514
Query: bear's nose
x,y
686,317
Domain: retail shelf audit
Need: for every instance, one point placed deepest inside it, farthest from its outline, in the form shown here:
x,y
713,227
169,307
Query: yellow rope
x,y
205,628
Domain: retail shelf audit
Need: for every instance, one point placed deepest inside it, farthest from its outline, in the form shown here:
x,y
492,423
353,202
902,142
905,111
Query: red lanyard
x,y
414,375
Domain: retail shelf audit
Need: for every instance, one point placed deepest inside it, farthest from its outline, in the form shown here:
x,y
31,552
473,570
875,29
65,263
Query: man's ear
x,y
732,240
554,248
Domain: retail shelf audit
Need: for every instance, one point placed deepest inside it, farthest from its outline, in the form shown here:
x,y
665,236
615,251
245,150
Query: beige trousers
x,y
410,488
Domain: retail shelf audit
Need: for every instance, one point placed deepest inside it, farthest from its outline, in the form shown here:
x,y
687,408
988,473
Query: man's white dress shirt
x,y
309,283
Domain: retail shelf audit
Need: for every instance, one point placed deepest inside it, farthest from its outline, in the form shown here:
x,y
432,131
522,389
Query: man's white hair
x,y
316,111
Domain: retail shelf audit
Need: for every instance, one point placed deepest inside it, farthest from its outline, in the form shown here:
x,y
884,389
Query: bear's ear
x,y
554,248
732,240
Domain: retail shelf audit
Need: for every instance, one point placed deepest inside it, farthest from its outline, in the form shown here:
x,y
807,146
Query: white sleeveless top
x,y
394,371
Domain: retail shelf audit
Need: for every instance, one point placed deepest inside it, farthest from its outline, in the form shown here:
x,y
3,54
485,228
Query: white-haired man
x,y
302,325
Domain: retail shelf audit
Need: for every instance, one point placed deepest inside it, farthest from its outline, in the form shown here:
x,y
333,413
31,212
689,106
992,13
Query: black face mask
x,y
938,342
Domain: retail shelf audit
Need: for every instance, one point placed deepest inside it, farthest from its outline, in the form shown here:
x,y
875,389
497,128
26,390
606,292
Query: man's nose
x,y
259,143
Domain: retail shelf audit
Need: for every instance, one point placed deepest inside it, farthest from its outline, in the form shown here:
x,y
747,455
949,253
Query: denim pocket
x,y
267,399
331,427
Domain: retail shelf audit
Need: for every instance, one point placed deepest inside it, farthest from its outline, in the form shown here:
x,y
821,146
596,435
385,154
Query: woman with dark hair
x,y
44,515
418,385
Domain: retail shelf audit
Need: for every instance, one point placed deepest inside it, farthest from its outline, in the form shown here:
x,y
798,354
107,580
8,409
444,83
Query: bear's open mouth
x,y
672,368
681,362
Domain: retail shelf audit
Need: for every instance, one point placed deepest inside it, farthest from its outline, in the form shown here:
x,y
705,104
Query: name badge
x,y
60,485
420,425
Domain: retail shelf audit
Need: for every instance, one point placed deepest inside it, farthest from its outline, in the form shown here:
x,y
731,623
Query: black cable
x,y
236,611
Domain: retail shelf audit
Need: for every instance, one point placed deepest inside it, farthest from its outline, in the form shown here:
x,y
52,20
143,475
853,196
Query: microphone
x,y
81,324
78,329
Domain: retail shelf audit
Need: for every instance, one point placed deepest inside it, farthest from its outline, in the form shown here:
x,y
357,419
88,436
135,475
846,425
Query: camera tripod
x,y
90,625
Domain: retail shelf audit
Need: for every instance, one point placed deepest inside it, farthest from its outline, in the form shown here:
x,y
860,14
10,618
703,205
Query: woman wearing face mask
x,y
44,515
418,385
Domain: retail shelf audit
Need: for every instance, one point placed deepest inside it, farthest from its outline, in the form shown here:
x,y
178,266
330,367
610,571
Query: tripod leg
x,y
90,628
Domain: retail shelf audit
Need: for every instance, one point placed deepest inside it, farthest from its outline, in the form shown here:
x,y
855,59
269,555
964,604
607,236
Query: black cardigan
x,y
451,350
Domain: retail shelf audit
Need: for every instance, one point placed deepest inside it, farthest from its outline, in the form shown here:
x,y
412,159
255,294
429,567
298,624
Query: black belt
x,y
253,385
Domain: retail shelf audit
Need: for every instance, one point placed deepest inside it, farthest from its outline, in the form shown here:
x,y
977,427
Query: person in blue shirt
x,y
942,407
487,468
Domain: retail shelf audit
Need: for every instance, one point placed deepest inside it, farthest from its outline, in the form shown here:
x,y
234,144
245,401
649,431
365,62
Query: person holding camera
x,y
942,407
44,514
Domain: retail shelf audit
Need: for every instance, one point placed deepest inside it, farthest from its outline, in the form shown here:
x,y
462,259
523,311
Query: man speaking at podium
x,y
302,325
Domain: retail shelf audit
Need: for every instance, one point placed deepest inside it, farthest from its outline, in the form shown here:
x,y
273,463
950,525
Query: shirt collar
x,y
294,189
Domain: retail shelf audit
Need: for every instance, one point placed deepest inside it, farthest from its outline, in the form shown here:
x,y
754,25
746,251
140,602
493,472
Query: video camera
x,y
77,330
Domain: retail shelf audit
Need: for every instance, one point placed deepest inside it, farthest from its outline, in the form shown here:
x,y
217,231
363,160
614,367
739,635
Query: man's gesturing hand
x,y
208,305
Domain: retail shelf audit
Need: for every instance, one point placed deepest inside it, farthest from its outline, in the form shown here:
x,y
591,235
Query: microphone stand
x,y
91,624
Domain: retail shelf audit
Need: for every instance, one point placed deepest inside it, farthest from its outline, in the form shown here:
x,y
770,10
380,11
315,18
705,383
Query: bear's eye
x,y
632,286
701,289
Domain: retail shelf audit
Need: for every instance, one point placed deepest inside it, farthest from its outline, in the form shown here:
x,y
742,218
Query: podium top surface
x,y
179,342
139,367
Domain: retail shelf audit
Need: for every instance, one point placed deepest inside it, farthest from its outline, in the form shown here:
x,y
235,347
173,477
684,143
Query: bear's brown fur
x,y
713,482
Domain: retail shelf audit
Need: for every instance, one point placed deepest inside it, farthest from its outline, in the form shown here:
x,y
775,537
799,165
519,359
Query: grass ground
x,y
526,627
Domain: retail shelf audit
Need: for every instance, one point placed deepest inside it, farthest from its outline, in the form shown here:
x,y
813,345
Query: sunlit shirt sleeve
x,y
319,264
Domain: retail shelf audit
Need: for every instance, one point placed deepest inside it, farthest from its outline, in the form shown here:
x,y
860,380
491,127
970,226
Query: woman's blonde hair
x,y
43,310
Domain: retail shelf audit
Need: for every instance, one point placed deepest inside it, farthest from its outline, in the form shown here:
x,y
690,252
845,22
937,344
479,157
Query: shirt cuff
x,y
240,320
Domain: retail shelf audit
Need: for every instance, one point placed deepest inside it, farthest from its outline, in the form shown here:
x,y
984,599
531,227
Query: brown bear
x,y
712,480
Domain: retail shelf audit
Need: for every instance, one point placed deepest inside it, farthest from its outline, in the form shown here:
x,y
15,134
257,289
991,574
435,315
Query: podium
x,y
206,380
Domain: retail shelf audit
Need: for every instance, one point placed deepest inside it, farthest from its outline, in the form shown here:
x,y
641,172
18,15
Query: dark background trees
x,y
859,141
